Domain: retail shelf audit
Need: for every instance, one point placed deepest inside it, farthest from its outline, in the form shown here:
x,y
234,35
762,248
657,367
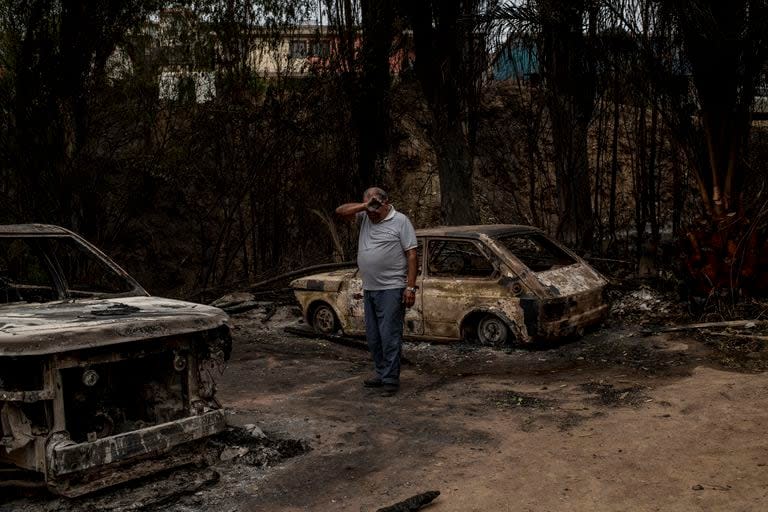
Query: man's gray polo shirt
x,y
381,250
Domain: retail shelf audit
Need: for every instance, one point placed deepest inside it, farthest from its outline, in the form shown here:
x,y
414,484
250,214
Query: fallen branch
x,y
735,335
261,298
338,254
302,272
241,307
340,339
306,332
728,323
413,503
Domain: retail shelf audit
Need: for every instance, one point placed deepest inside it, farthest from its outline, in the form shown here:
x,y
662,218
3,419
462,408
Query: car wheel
x,y
492,331
324,319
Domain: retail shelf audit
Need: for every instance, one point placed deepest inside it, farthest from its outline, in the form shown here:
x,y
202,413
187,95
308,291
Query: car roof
x,y
490,230
32,229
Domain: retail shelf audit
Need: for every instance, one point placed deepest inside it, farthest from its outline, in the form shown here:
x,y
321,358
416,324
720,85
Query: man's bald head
x,y
376,192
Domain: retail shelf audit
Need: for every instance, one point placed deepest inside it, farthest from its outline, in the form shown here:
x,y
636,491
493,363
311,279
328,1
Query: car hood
x,y
325,282
62,326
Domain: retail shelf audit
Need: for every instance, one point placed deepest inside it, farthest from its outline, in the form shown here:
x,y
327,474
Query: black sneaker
x,y
389,389
373,383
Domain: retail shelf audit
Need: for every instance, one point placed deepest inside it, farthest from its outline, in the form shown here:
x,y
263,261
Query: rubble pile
x,y
249,445
644,305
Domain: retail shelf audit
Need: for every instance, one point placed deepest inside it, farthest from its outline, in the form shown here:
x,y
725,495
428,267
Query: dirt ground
x,y
621,419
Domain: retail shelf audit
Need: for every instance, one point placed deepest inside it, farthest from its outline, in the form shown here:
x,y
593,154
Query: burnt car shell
x,y
558,301
94,386
535,300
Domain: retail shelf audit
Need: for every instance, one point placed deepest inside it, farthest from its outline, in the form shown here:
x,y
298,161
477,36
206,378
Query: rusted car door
x,y
414,324
459,277
414,316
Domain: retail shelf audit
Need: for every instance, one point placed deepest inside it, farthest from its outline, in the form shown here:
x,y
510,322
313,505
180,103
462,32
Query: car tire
x,y
492,331
324,319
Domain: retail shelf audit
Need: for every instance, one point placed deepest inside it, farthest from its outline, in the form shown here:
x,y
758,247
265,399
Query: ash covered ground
x,y
628,417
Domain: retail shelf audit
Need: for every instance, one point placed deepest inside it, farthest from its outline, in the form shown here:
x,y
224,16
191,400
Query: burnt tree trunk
x,y
60,61
597,204
569,140
570,90
445,49
454,163
371,108
366,78
614,167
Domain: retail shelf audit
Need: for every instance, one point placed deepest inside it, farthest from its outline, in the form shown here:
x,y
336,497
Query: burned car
x,y
97,377
497,284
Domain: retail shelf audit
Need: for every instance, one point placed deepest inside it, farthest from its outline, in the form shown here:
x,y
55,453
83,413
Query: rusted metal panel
x,y
573,324
306,298
30,457
71,458
110,476
448,301
326,281
570,280
37,329
123,352
16,427
354,304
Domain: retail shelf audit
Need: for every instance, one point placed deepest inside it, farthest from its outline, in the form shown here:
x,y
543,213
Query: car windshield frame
x,y
63,290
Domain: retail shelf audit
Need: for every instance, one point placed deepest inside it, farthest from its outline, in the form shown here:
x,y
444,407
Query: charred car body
x,y
497,284
97,378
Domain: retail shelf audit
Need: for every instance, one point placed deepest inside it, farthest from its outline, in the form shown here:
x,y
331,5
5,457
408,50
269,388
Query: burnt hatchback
x,y
499,284
97,377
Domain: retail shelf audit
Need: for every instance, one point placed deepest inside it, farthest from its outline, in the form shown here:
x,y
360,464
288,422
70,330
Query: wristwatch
x,y
412,289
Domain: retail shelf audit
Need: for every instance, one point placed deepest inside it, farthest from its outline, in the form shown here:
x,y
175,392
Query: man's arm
x,y
409,297
413,266
349,211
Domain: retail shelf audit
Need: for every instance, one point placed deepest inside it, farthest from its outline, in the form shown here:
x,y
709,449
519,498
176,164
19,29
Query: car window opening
x,y
536,252
30,266
456,258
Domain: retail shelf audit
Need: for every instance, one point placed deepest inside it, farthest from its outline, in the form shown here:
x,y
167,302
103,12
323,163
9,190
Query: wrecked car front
x,y
98,378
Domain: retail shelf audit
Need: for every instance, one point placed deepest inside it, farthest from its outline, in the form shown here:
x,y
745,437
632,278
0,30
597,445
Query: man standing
x,y
386,257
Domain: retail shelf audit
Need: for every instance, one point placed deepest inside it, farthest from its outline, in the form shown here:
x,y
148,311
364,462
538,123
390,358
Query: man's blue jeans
x,y
384,313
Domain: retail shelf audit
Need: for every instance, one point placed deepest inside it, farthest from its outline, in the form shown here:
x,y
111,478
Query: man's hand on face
x,y
373,204
409,298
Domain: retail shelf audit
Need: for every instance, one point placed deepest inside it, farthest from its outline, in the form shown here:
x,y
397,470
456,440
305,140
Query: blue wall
x,y
514,62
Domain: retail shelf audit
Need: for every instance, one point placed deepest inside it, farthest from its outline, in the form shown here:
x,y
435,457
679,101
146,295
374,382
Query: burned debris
x,y
234,453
